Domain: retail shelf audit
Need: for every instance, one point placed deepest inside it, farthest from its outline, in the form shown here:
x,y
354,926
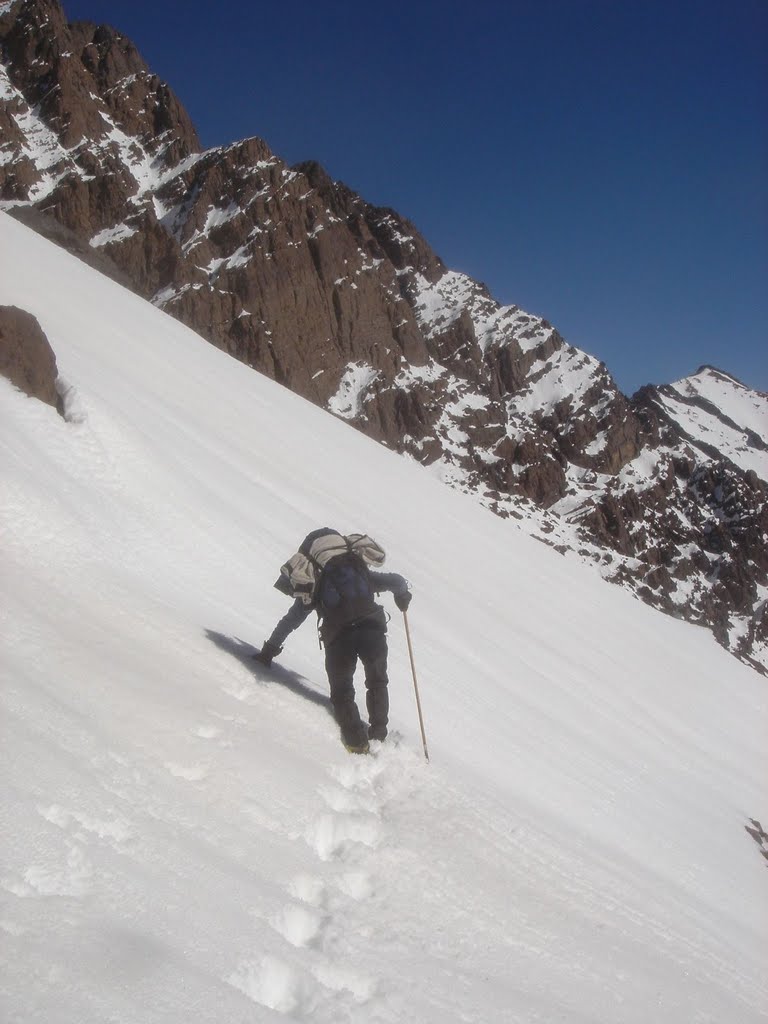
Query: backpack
x,y
331,570
344,593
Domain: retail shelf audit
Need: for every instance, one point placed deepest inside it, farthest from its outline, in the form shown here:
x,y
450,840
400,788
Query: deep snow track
x,y
318,923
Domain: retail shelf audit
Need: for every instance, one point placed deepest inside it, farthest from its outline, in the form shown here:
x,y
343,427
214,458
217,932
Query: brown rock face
x,y
26,357
95,117
346,304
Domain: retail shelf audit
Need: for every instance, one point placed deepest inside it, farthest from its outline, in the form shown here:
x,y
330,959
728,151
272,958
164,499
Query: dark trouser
x,y
369,644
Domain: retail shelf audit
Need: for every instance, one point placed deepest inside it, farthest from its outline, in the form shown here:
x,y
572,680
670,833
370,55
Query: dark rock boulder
x,y
26,357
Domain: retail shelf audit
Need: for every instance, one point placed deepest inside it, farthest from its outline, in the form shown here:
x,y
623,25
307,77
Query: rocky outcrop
x,y
26,357
347,304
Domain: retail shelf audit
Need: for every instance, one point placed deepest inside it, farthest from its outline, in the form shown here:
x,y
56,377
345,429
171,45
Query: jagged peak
x,y
315,173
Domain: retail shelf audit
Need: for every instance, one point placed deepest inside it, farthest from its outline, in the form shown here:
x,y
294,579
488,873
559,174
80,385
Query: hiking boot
x,y
359,748
355,738
377,732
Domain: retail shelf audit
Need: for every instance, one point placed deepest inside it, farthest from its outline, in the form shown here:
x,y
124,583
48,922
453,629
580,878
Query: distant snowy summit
x,y
719,416
346,304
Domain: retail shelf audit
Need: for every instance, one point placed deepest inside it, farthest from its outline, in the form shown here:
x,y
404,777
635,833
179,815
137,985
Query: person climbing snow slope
x,y
330,575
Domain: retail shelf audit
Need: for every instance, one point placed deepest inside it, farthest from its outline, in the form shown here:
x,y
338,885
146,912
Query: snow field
x,y
185,838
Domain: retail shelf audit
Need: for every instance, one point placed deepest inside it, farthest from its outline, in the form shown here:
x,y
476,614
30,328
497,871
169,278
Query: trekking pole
x,y
415,685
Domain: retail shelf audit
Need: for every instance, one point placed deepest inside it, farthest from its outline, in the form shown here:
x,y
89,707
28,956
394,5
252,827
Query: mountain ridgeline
x,y
346,304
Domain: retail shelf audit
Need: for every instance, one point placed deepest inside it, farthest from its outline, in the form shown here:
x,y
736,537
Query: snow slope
x,y
185,839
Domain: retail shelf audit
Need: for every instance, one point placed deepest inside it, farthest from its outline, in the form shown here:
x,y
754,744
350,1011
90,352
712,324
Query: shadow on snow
x,y
292,681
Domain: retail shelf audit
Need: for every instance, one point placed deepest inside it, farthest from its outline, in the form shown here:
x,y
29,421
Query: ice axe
x,y
415,684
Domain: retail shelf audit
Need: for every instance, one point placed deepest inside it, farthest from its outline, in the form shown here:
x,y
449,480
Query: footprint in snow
x,y
331,834
358,774
298,924
308,888
311,890
270,982
340,979
346,800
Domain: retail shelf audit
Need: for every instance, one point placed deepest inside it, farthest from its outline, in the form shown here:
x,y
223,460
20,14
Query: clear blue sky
x,y
602,163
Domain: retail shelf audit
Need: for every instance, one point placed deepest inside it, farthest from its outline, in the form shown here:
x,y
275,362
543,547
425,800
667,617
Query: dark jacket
x,y
299,612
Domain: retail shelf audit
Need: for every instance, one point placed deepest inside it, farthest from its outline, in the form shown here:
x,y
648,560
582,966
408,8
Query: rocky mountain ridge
x,y
346,304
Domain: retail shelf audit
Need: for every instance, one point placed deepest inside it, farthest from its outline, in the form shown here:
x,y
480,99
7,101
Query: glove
x,y
403,600
267,653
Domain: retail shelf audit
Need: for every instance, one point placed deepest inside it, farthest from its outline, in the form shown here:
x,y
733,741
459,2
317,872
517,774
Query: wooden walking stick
x,y
415,685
